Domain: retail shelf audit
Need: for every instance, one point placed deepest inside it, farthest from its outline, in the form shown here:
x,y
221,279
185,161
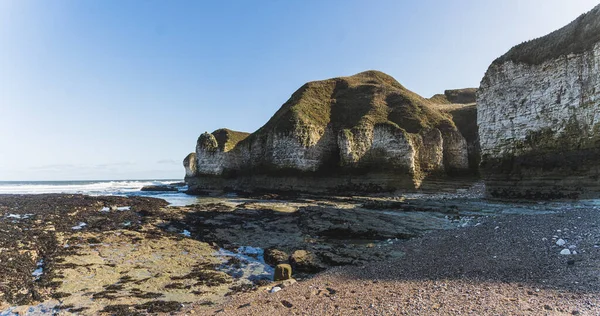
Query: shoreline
x,y
67,237
507,265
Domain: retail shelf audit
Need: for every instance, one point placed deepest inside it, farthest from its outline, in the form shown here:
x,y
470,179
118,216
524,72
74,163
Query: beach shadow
x,y
508,249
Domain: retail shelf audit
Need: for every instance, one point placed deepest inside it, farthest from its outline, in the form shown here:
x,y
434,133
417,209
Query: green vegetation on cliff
x,y
228,139
348,103
359,125
577,37
439,99
455,96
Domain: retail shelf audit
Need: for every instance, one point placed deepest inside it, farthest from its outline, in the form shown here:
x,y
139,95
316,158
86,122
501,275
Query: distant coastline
x,y
98,188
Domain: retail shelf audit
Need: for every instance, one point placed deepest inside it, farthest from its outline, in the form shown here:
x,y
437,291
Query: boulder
x,y
275,256
282,272
159,188
305,261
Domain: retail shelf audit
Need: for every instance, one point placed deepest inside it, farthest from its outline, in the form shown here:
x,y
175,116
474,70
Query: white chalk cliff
x,y
539,115
365,132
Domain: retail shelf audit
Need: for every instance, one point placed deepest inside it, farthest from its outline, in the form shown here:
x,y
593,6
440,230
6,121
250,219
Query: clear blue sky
x,y
121,89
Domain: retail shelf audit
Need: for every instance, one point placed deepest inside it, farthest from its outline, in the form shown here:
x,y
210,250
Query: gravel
x,y
508,265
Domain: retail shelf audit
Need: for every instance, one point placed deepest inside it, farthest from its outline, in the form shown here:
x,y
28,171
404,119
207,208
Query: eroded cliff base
x,y
570,174
365,184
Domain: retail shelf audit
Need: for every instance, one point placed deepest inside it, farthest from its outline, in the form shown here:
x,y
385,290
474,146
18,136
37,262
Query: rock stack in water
x,y
539,116
363,133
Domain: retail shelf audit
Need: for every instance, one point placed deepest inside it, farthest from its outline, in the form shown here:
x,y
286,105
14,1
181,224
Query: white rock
x,y
565,252
305,151
560,242
275,289
80,226
574,252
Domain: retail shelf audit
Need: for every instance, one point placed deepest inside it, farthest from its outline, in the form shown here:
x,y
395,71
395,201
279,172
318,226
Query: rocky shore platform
x,y
507,265
447,253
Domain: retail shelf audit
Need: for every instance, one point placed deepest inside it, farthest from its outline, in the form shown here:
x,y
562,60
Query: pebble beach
x,y
453,254
510,265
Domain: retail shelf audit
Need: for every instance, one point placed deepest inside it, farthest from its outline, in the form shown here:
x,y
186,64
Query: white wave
x,y
90,187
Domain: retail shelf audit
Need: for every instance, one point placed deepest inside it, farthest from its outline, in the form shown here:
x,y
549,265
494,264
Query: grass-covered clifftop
x,y
346,103
456,96
364,132
228,139
577,37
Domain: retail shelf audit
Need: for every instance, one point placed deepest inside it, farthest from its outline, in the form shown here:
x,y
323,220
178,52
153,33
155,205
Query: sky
x,y
121,89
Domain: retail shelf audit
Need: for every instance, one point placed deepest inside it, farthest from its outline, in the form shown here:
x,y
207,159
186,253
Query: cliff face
x,y
456,96
539,115
365,132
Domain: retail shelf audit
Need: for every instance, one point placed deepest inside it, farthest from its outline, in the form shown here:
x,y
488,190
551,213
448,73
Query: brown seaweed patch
x,y
114,287
120,310
94,240
177,285
241,288
205,274
160,306
108,294
236,262
125,279
150,307
142,294
59,295
77,310
138,282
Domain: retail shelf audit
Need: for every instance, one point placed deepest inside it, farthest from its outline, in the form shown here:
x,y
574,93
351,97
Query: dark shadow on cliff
x,y
350,105
437,182
465,119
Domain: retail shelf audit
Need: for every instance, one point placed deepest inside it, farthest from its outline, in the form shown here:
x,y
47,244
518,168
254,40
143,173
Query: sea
x,y
101,187
253,264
